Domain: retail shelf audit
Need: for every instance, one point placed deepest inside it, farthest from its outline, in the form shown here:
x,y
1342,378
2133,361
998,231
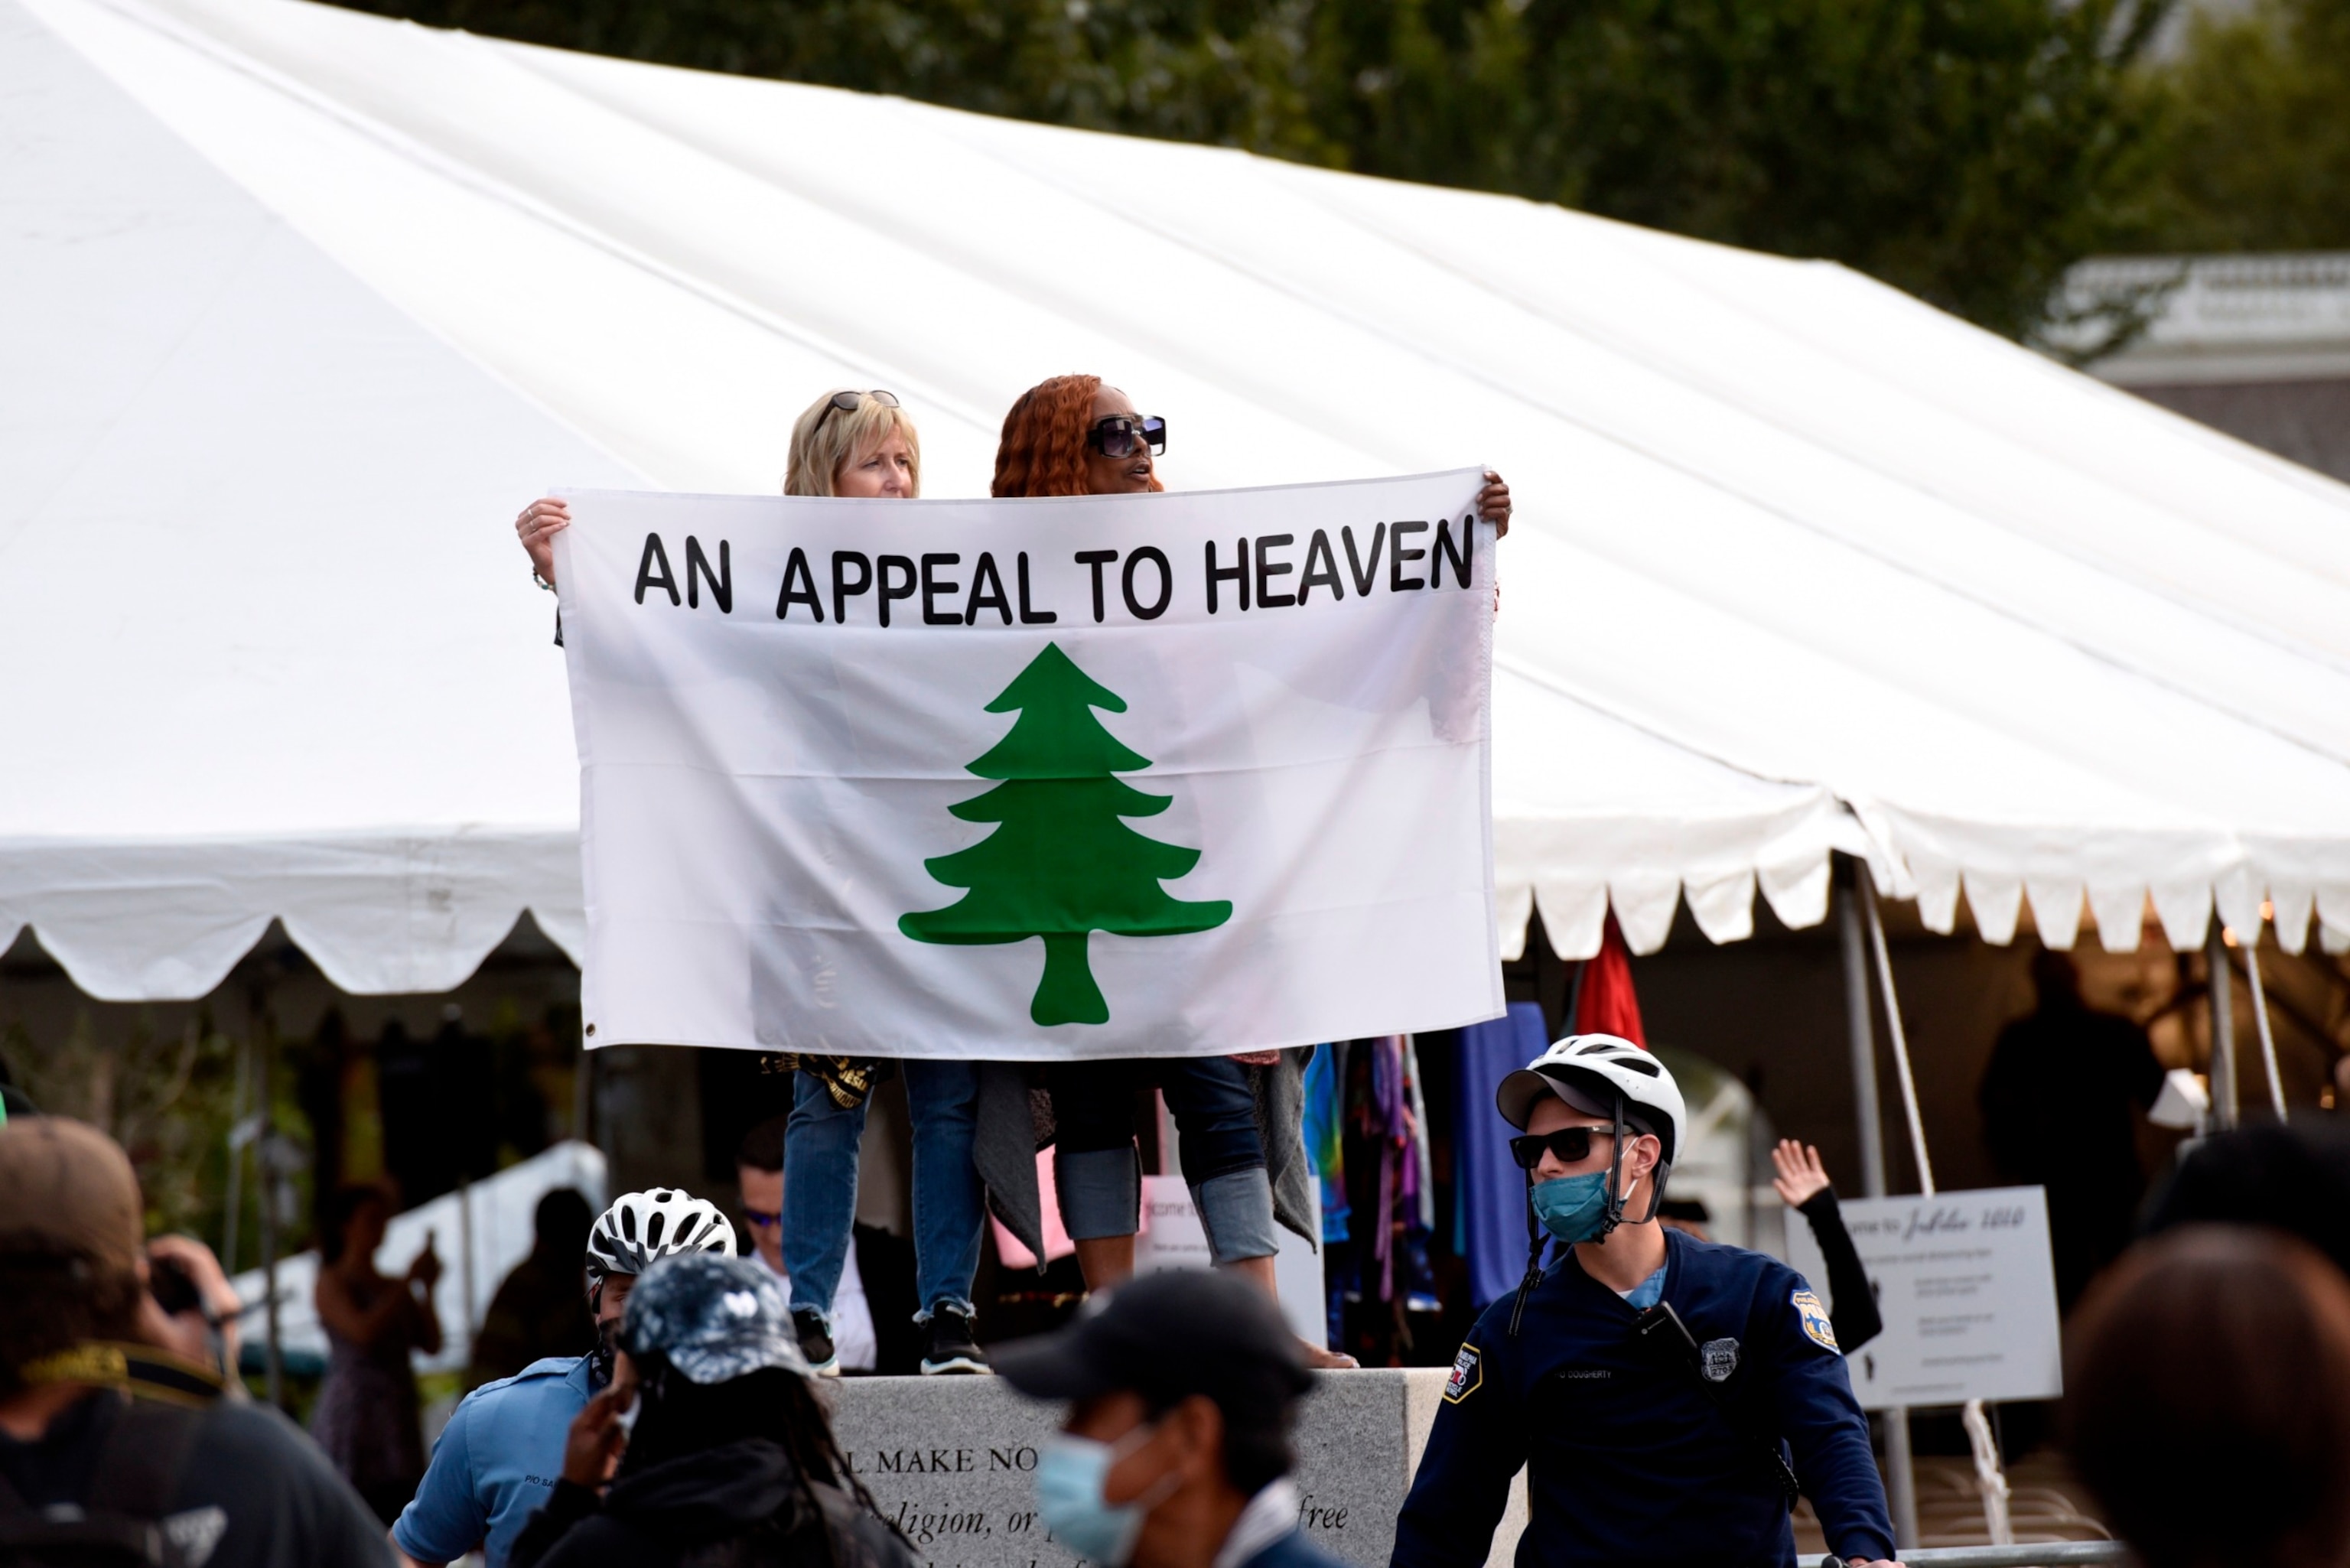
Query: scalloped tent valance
x,y
303,303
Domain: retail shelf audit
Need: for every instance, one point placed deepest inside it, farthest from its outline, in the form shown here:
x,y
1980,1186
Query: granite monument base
x,y
953,1460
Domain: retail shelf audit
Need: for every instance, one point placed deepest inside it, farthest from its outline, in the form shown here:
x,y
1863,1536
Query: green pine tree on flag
x,y
1063,863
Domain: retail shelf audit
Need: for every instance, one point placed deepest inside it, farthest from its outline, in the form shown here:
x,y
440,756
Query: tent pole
x,y
235,1206
1901,1485
2261,1018
266,1176
582,1097
1861,1033
2223,1027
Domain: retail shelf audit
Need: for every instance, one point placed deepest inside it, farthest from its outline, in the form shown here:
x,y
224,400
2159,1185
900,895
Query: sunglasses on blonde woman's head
x,y
848,403
1570,1144
1122,435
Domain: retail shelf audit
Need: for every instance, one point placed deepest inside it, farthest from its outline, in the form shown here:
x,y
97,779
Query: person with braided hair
x,y
1076,435
728,1457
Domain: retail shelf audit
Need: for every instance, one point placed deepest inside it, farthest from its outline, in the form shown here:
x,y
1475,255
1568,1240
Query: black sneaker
x,y
814,1343
952,1349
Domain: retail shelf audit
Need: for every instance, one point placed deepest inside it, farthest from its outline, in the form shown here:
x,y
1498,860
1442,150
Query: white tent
x,y
300,304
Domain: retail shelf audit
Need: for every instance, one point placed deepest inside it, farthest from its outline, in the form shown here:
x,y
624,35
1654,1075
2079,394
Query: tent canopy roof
x,y
305,303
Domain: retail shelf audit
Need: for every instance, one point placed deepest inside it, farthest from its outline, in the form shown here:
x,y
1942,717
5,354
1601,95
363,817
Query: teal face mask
x,y
1573,1208
1070,1474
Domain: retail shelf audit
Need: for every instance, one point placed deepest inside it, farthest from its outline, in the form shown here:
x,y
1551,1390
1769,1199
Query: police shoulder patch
x,y
1814,1319
1468,1374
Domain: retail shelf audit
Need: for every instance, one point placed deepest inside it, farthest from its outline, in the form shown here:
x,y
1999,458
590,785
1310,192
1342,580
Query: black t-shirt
x,y
252,1484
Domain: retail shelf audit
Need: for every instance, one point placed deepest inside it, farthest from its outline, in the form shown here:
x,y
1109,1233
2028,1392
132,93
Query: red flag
x,y
1606,1003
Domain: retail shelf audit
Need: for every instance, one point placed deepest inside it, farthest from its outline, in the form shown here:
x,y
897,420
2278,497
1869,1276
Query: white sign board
x,y
1967,1288
1174,1238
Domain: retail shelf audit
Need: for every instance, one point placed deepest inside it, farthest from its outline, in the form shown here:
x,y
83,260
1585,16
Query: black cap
x,y
1168,1336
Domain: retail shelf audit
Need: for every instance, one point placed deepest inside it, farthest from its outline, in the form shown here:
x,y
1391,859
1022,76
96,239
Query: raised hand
x,y
592,1449
1492,505
1802,1177
540,522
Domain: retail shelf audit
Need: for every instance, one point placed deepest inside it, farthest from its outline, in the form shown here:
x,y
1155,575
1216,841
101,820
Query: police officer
x,y
497,1460
1664,1394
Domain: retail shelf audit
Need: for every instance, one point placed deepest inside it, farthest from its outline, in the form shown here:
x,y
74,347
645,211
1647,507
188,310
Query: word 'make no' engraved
x,y
1268,572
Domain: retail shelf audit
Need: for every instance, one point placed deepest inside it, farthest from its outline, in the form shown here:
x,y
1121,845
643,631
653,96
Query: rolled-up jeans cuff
x,y
1236,1211
1101,1192
945,1304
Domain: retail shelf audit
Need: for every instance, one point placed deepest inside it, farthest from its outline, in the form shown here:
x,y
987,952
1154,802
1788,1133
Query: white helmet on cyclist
x,y
641,1228
1600,1076
1593,1073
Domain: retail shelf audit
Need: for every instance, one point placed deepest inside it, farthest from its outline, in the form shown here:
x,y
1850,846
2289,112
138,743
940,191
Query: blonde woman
x,y
857,444
847,444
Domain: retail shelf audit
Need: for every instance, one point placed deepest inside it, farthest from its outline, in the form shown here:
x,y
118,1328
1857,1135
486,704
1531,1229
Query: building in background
x,y
2257,346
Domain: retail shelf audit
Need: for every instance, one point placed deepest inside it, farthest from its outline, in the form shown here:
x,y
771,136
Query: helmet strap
x,y
1615,1215
1535,1236
1658,1175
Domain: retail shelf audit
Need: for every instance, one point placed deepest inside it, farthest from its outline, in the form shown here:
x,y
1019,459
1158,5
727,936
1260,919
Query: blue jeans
x,y
820,1186
1095,1166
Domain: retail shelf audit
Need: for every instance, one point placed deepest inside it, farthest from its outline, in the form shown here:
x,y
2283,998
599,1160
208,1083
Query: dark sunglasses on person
x,y
1118,435
761,1218
848,403
1570,1144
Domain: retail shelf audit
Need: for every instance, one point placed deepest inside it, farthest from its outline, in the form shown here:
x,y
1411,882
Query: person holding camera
x,y
713,1440
111,1448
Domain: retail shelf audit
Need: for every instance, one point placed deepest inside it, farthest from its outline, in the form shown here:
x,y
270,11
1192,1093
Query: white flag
x,y
1171,774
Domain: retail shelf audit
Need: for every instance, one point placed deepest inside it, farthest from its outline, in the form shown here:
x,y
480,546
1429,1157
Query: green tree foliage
x,y
165,1098
2256,145
1963,150
1063,863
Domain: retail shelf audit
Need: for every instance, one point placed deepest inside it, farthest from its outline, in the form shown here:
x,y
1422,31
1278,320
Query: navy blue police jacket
x,y
1628,1460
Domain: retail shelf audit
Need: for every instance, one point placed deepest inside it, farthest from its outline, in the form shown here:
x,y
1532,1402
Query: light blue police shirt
x,y
496,1465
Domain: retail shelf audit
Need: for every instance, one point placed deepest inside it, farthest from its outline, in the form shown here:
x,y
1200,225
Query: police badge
x,y
1718,1358
1814,1318
1468,1374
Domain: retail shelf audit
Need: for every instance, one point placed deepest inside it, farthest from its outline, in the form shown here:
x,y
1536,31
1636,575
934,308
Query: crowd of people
x,y
650,1385
1668,1397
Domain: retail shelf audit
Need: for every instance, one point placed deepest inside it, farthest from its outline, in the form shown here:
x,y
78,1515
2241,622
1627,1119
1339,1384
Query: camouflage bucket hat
x,y
713,1318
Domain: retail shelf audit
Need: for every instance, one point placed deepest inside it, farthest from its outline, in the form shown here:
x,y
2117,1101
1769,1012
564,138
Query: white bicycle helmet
x,y
641,1228
1589,1072
1600,1076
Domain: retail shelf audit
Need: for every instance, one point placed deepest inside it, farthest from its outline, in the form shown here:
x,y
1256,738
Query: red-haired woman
x,y
1074,435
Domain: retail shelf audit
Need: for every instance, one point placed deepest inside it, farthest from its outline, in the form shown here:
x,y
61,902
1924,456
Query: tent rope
x,y
1900,1037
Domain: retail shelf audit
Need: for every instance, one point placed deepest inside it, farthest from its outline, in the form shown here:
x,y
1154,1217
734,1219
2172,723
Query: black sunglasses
x,y
849,402
761,1218
1570,1144
1116,436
